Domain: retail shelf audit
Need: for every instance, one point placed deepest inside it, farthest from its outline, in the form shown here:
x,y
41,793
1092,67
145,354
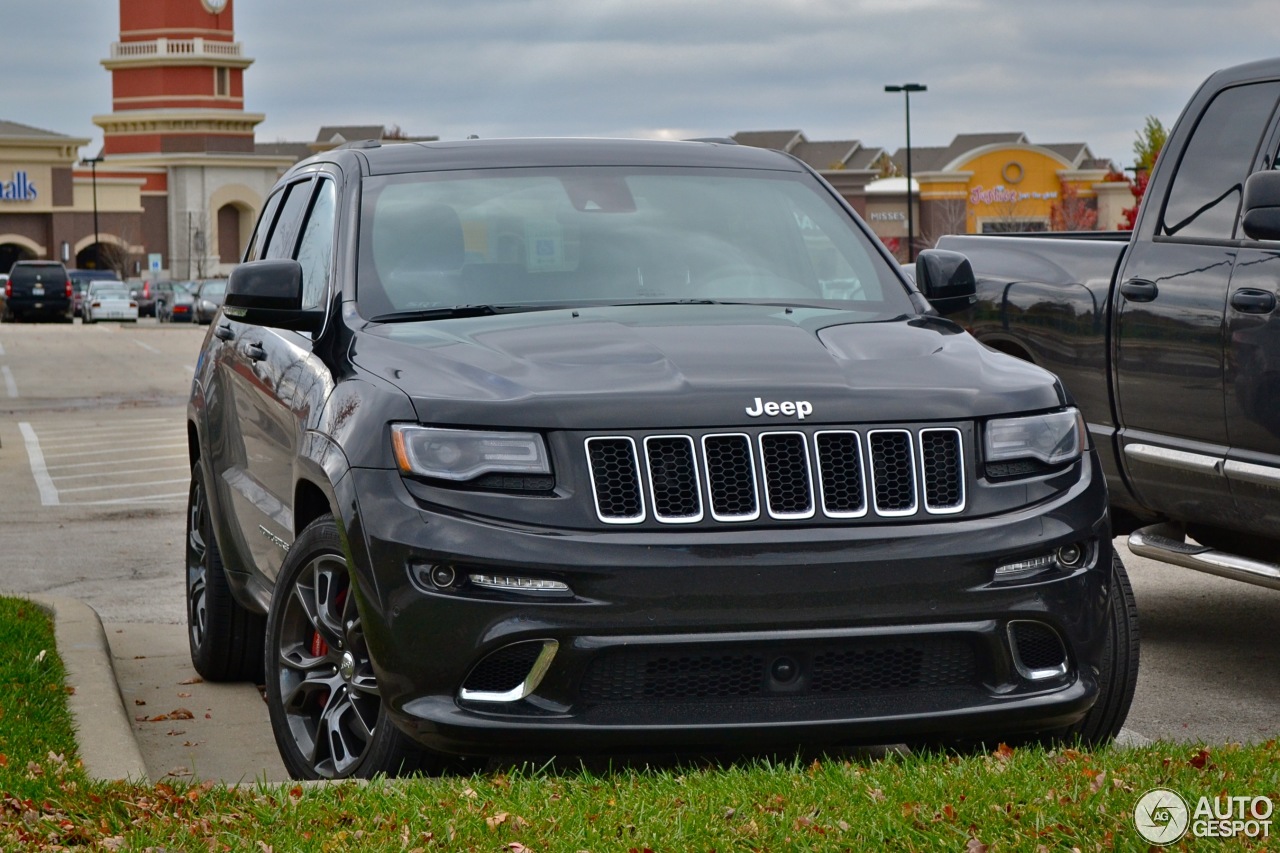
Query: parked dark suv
x,y
553,446
39,290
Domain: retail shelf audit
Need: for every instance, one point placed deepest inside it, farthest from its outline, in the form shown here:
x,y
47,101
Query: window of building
x,y
222,82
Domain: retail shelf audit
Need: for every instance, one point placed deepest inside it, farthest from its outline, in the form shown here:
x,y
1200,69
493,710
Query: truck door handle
x,y
223,332
255,351
1138,290
1249,301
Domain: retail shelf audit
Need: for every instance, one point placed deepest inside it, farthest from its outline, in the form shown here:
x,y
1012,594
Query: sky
x,y
1079,71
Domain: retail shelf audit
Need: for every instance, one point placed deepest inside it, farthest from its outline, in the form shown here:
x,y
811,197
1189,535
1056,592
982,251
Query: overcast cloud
x,y
1081,71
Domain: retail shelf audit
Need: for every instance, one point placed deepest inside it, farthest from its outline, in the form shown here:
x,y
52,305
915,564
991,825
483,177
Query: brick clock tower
x,y
178,125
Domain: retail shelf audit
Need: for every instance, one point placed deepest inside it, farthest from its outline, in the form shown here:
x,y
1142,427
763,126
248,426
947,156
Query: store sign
x,y
888,216
1003,195
19,189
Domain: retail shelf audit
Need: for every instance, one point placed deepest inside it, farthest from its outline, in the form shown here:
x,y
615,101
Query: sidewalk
x,y
142,713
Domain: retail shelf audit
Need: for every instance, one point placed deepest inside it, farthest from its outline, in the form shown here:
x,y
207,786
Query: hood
x,y
686,366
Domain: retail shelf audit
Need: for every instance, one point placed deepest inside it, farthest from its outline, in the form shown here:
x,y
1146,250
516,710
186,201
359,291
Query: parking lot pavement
x,y
136,459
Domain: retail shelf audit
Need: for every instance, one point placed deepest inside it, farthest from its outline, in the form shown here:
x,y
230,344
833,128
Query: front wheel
x,y
322,693
1118,672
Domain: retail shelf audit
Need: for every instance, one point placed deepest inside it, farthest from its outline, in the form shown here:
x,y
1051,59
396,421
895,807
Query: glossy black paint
x,y
1168,342
291,425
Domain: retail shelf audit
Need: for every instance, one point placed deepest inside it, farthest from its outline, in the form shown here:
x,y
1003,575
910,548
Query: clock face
x,y
214,6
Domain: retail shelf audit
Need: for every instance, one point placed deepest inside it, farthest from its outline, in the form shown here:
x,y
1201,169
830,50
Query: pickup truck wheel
x,y
225,638
322,693
1118,673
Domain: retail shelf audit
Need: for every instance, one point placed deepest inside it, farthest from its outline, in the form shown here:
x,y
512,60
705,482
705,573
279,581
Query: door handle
x,y
1139,290
223,332
255,351
1247,300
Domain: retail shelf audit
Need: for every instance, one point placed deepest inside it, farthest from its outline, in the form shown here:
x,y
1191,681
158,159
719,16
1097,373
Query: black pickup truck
x,y
1169,338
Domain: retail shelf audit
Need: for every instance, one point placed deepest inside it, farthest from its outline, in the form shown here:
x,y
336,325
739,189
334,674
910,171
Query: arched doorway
x,y
11,253
93,257
232,220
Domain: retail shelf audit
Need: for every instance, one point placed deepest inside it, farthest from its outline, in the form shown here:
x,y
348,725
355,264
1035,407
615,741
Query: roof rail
x,y
716,140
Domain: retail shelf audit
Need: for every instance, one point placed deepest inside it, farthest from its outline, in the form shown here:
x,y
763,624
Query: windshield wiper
x,y
447,313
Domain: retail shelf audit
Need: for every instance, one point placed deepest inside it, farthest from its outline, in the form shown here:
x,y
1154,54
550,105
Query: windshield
x,y
586,236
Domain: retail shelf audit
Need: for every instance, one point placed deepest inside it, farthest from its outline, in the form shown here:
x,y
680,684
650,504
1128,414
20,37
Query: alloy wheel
x,y
328,691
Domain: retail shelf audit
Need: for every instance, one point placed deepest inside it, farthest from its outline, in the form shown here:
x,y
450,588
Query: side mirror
x,y
1262,206
946,279
269,293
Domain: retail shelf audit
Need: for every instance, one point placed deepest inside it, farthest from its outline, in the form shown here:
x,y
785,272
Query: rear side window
x,y
1204,201
284,234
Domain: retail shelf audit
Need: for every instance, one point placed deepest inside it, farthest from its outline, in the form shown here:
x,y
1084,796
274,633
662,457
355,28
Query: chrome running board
x,y
1152,542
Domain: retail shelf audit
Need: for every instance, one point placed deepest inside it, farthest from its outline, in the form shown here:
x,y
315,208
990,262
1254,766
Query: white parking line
x,y
171,497
48,494
9,384
148,347
110,462
1,349
97,474
112,450
138,442
126,485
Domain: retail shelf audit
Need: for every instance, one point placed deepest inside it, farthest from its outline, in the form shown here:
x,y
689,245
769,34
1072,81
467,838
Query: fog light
x,y
515,583
1025,568
1071,555
434,576
443,576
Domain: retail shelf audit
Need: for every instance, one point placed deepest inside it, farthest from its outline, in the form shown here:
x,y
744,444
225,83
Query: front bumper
x,y
728,639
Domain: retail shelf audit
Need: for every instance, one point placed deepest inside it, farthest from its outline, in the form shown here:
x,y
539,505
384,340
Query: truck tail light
x,y
70,289
8,290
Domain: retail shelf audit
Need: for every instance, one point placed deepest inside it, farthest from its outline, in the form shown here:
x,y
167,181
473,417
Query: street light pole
x,y
92,164
906,89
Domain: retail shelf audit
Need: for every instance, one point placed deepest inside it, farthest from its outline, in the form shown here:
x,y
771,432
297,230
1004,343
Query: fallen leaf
x,y
195,679
1200,760
139,701
975,846
184,695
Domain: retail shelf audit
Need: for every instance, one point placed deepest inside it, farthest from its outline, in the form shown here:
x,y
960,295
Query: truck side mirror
x,y
946,279
269,293
1262,206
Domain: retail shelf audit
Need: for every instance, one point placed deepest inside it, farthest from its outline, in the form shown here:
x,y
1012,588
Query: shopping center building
x,y
980,183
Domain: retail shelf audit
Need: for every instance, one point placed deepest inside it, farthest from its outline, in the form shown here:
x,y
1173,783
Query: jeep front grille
x,y
784,474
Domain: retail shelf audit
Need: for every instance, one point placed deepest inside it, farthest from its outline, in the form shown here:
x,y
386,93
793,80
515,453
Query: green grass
x,y
1024,799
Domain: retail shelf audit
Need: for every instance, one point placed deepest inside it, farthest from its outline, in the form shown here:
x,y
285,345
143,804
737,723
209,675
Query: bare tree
x,y
940,218
119,254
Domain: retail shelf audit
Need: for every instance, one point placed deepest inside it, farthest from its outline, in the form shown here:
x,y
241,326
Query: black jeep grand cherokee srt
x,y
577,446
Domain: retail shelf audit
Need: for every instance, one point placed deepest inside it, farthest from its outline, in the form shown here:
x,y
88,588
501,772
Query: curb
x,y
104,734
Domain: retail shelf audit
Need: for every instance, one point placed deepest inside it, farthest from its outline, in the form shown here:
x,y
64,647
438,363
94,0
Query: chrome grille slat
x,y
785,475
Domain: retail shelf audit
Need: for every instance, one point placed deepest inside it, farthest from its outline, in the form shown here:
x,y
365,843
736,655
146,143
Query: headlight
x,y
461,454
1053,439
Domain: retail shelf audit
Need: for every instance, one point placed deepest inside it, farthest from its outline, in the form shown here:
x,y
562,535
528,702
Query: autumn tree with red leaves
x,y
1071,212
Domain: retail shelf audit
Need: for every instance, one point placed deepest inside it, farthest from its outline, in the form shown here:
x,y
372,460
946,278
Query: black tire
x,y
225,638
1118,672
322,694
